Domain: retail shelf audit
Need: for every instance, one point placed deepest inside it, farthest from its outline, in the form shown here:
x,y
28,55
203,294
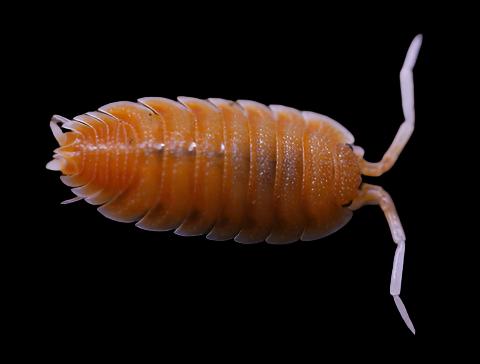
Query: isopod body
x,y
231,170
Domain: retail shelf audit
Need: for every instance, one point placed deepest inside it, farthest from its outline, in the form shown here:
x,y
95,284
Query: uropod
x,y
231,170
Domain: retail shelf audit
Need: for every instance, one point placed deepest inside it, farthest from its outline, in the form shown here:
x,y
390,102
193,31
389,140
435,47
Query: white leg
x,y
406,129
376,195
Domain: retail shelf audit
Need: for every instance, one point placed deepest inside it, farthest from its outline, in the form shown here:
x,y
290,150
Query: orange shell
x,y
230,169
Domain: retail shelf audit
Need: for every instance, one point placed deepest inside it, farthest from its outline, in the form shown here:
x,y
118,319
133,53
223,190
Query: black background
x,y
96,283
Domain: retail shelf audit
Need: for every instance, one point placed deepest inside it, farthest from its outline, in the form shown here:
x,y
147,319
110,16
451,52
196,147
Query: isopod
x,y
234,170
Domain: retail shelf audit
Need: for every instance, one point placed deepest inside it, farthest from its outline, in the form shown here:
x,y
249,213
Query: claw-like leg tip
x,y
71,200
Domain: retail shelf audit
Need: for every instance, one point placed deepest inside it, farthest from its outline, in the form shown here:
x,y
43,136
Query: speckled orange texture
x,y
227,169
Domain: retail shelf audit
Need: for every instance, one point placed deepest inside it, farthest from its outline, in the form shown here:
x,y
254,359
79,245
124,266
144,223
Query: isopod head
x,y
347,174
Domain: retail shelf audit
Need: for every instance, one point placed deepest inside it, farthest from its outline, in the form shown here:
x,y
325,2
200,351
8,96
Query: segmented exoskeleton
x,y
231,170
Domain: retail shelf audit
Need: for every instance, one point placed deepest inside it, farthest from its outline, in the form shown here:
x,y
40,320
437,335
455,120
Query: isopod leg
x,y
406,129
376,195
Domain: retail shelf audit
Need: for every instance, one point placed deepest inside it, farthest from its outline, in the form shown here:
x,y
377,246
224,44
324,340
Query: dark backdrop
x,y
96,281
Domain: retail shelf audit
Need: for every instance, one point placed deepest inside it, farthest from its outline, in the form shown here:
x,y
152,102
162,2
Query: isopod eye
x,y
347,204
347,175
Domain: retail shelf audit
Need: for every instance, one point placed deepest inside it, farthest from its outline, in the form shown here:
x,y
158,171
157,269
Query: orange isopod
x,y
235,170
